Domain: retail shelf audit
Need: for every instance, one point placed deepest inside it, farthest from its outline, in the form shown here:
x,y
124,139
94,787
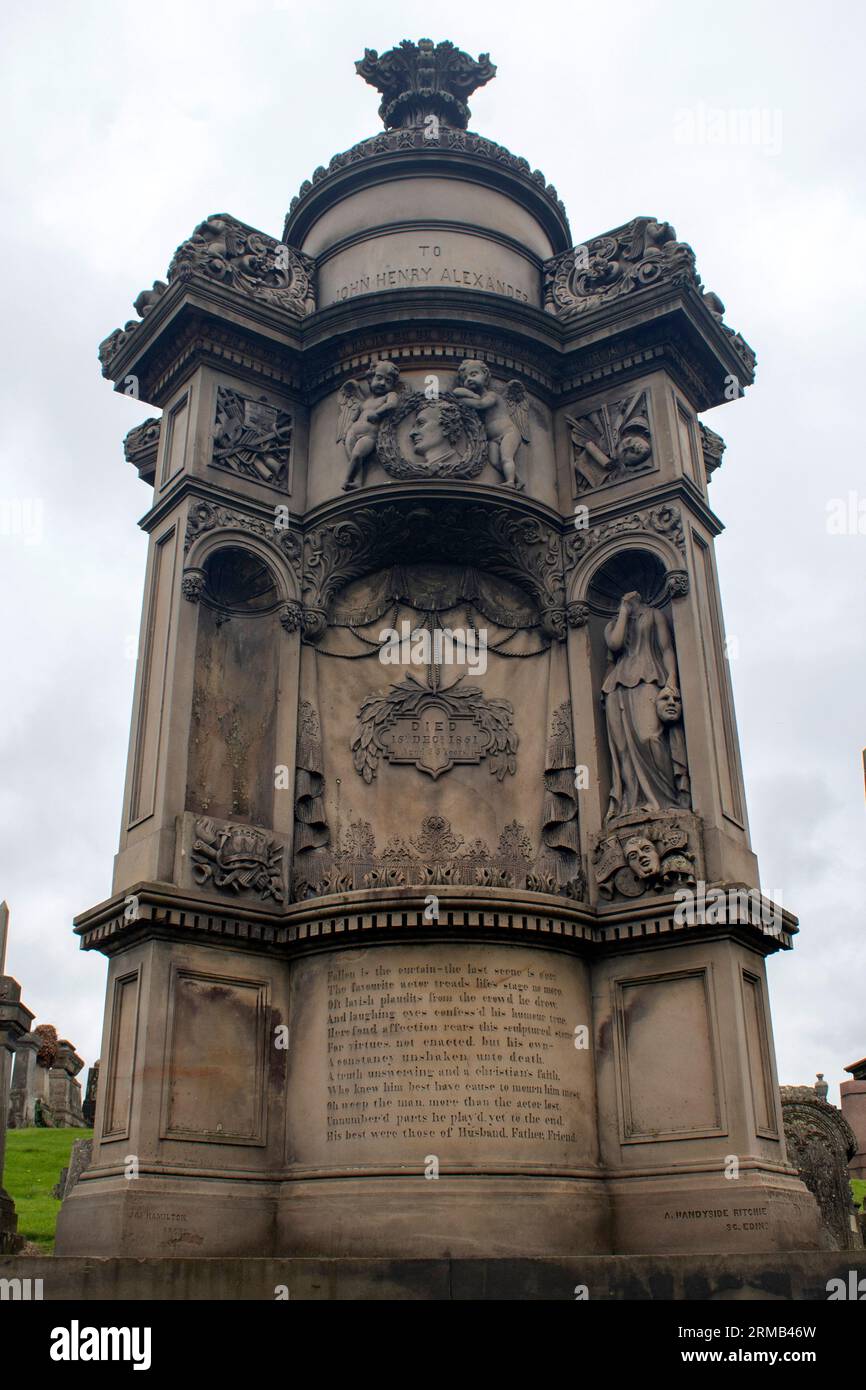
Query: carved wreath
x,y
493,717
467,461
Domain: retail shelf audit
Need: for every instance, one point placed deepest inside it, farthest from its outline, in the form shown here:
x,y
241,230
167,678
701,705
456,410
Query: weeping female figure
x,y
643,709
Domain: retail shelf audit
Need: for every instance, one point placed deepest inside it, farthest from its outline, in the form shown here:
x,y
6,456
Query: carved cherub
x,y
361,415
505,416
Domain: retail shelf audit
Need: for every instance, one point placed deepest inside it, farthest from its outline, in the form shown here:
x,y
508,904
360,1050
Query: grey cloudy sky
x,y
126,123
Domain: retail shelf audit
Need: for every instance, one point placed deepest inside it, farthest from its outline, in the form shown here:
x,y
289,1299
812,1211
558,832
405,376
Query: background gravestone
x,y
821,1144
853,1097
15,1021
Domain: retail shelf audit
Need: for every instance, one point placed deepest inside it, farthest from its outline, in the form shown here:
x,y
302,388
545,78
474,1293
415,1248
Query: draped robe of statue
x,y
649,772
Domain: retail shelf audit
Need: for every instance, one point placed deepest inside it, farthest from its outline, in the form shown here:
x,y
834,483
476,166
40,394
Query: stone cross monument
x,y
435,925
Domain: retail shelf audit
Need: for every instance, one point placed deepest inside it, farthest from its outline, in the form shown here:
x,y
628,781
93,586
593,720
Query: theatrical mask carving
x,y
643,710
645,856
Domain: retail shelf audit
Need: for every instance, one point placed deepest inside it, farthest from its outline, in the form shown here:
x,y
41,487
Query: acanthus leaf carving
x,y
227,252
627,259
522,549
712,448
664,521
434,729
209,516
140,447
420,79
231,253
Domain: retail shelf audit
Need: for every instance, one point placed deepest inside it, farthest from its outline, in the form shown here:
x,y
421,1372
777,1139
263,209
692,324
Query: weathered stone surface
x,y
797,1276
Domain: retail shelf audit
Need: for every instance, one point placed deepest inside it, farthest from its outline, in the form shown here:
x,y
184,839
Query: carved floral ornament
x,y
662,527
435,855
424,87
433,729
417,79
227,252
211,528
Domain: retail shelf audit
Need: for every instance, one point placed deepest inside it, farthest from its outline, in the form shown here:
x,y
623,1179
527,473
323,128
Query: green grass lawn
x,y
34,1158
858,1189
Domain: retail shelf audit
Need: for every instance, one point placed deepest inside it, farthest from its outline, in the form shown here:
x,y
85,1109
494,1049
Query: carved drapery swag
x,y
519,548
311,825
559,820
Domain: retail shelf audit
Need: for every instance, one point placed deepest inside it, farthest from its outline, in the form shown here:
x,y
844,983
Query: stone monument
x,y
435,926
820,1144
853,1097
44,1089
15,1021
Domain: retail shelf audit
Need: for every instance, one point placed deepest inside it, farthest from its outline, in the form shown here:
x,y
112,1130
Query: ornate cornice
x,y
227,252
140,448
425,142
558,922
625,262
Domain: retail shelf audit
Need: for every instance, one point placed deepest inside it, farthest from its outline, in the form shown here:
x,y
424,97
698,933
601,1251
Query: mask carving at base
x,y
649,856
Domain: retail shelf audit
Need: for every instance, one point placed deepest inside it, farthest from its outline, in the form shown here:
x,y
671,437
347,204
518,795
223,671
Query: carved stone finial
x,y
424,79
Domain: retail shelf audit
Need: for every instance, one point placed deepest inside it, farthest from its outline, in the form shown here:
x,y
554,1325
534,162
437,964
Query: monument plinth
x,y
435,928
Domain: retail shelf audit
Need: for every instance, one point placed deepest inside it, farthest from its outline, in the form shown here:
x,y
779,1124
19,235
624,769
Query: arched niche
x,y
232,746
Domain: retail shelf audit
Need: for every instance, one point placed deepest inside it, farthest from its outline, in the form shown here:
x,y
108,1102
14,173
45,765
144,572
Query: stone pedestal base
x,y
168,1217
515,1088
756,1212
796,1275
446,1218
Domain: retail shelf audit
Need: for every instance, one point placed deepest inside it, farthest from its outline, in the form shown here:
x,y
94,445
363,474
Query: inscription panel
x,y
407,260
463,1053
